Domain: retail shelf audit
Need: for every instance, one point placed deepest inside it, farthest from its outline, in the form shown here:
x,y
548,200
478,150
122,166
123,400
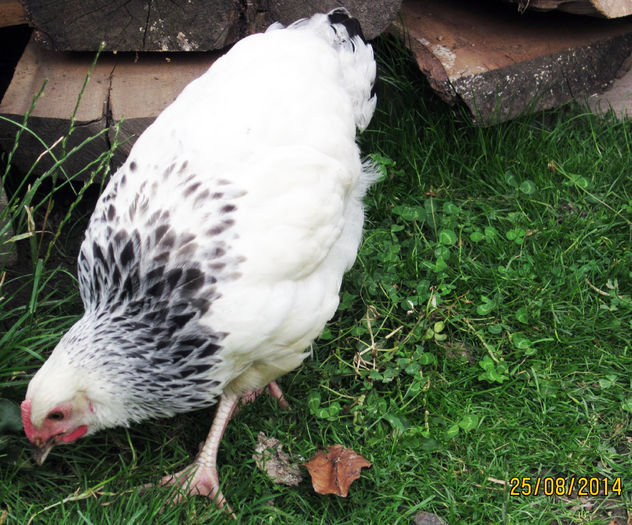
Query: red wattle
x,y
75,434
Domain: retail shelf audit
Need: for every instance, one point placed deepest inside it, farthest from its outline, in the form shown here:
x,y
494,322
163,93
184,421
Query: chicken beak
x,y
41,453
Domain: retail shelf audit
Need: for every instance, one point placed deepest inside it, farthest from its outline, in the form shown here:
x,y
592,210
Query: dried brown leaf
x,y
333,472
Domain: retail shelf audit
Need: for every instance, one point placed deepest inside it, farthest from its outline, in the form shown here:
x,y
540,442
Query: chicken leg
x,y
201,478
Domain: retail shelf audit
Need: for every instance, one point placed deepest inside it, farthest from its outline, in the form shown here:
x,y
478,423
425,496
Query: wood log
x,y
50,118
11,13
501,63
600,8
124,95
179,25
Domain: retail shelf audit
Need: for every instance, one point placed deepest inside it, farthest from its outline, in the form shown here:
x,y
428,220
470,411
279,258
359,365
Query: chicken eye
x,y
56,416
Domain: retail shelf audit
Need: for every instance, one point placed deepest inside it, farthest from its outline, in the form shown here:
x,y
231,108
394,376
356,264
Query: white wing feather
x,y
286,135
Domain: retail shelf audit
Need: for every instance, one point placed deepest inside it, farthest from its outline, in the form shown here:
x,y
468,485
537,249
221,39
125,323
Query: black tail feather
x,y
341,16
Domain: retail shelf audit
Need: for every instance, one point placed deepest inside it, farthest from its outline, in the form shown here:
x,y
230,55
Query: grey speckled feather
x,y
145,287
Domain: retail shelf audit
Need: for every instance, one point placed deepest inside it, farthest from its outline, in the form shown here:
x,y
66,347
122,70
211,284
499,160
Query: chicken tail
x,y
344,33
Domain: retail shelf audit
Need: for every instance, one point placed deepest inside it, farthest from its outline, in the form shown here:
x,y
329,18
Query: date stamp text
x,y
554,486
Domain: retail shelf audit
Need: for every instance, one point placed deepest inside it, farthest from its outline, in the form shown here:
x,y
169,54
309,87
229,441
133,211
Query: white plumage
x,y
215,255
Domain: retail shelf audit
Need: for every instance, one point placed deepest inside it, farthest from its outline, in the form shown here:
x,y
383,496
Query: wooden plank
x,y
173,25
125,87
500,62
600,8
11,13
50,118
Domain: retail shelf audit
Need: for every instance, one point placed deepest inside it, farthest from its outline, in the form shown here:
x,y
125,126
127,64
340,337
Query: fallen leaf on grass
x,y
335,471
275,462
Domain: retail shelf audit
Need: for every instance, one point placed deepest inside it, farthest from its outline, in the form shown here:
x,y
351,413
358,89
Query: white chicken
x,y
215,255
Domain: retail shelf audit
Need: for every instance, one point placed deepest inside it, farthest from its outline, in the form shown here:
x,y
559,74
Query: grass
x,y
483,335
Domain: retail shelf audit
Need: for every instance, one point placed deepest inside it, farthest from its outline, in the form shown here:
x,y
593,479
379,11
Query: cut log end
x,y
502,64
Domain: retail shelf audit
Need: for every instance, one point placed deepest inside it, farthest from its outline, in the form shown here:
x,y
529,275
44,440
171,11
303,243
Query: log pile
x,y
128,90
502,63
124,89
181,25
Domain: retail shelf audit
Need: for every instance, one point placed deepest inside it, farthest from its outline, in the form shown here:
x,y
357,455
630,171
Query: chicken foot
x,y
201,478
